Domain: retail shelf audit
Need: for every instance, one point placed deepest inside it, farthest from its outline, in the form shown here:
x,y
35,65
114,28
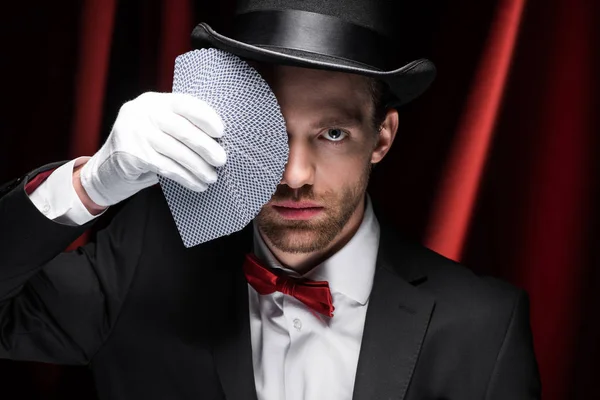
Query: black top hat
x,y
352,36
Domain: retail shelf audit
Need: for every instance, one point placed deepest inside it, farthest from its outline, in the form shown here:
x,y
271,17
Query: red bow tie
x,y
315,294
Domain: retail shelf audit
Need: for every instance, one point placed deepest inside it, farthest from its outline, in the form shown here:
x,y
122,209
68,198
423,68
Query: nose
x,y
300,169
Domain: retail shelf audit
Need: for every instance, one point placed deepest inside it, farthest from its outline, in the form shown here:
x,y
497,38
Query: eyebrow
x,y
342,116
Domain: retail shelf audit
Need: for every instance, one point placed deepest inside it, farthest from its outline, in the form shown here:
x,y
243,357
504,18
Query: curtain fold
x,y
457,194
176,26
555,233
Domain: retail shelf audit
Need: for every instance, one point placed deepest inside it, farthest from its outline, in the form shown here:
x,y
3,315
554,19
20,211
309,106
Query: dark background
x,y
533,218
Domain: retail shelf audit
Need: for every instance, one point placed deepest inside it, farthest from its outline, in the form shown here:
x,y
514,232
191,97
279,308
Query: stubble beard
x,y
316,234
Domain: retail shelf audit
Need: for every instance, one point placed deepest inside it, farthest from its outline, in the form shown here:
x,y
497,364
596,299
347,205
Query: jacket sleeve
x,y
57,306
515,375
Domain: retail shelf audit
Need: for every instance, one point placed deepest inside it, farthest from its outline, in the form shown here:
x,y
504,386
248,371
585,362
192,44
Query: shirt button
x,y
297,324
46,208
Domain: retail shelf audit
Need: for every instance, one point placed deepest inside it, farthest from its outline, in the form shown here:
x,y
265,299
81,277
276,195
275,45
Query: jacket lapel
x,y
232,347
397,319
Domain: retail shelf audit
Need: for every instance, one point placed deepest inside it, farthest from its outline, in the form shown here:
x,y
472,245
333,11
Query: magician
x,y
319,298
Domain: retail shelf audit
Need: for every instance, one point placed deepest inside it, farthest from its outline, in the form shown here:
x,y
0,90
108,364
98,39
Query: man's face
x,y
331,142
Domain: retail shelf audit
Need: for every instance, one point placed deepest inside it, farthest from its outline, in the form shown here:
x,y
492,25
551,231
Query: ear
x,y
386,136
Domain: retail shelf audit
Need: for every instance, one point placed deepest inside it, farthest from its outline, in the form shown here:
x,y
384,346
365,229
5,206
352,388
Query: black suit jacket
x,y
154,320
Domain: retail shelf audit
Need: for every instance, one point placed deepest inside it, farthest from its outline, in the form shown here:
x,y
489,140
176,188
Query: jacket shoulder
x,y
452,278
458,289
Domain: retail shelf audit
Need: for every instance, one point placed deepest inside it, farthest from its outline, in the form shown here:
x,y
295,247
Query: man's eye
x,y
335,135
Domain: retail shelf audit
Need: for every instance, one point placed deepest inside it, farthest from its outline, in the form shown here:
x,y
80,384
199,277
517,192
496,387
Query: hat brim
x,y
406,83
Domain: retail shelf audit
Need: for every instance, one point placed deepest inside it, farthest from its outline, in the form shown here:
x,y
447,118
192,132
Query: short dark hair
x,y
379,93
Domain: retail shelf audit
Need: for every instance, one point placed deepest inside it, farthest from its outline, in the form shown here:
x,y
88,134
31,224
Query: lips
x,y
297,204
298,213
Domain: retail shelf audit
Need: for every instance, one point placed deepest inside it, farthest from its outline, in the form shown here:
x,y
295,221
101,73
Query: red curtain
x,y
555,211
495,166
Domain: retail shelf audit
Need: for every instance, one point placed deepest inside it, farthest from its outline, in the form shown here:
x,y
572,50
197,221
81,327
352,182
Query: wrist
x,y
89,204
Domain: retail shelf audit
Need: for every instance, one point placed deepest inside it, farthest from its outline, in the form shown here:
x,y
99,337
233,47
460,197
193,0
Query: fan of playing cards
x,y
255,141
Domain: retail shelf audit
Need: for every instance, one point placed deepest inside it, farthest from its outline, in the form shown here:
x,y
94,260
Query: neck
x,y
305,262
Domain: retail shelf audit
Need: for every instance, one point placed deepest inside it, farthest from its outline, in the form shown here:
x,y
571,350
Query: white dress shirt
x,y
297,354
301,355
56,197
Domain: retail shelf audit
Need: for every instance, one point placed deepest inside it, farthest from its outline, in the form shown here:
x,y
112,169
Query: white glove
x,y
170,134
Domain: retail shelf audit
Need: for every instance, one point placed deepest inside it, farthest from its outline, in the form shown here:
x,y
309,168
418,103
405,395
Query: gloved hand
x,y
170,134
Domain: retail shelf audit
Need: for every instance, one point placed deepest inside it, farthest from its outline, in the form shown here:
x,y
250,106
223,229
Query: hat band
x,y
312,32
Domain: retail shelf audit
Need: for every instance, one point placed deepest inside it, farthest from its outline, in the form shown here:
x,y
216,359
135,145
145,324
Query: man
x,y
385,318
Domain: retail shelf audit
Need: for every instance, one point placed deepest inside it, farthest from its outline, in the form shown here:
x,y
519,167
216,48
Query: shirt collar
x,y
350,271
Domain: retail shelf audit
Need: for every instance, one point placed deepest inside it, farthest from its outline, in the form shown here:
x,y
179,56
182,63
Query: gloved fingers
x,y
188,163
171,169
190,135
199,113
